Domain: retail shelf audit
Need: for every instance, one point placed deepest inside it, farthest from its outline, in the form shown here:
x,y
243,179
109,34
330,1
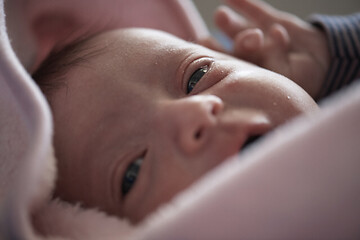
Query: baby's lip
x,y
251,140
245,131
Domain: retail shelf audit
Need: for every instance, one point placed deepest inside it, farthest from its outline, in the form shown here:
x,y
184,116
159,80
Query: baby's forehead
x,y
138,46
142,38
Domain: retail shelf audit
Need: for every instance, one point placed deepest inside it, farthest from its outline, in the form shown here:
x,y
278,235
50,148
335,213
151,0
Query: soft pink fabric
x,y
27,167
304,183
40,25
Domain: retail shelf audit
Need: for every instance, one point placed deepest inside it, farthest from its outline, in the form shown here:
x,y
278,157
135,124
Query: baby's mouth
x,y
250,141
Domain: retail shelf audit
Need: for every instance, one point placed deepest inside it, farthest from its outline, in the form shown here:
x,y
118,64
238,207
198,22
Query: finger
x,y
257,11
276,52
264,16
229,21
280,36
213,44
270,51
248,44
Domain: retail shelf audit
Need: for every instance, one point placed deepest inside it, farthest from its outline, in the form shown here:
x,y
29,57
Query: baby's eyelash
x,y
131,175
195,71
195,78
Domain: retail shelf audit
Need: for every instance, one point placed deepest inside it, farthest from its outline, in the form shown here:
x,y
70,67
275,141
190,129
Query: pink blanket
x,y
303,184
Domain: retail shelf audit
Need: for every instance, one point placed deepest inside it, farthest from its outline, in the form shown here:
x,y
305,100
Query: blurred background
x,y
301,8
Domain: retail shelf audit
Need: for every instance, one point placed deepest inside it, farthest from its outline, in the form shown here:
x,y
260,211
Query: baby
x,y
140,115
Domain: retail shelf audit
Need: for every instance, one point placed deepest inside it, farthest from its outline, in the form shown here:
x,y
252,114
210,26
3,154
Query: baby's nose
x,y
191,119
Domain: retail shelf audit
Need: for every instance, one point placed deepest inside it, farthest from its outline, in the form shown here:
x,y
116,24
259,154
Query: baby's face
x,y
143,120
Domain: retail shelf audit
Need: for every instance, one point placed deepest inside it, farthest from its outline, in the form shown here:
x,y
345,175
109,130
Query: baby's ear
x,y
51,29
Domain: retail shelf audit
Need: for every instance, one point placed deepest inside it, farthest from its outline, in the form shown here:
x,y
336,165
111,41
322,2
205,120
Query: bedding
x,y
303,184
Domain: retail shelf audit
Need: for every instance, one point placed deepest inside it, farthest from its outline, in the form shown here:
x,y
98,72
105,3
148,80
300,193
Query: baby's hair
x,y
51,74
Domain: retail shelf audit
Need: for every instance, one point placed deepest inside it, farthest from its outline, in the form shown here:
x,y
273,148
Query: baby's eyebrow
x,y
51,75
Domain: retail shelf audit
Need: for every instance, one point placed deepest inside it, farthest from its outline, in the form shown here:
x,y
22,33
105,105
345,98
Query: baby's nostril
x,y
216,109
198,134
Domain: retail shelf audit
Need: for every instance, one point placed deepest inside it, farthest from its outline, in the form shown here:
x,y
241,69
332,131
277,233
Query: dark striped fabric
x,y
344,40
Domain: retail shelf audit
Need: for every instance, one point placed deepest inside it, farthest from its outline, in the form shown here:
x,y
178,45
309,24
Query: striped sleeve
x,y
343,33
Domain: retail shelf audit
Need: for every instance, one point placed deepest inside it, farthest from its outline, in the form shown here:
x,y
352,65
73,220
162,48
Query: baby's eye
x,y
195,78
131,175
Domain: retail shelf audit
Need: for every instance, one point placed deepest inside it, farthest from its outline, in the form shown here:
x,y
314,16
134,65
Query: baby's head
x,y
142,114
